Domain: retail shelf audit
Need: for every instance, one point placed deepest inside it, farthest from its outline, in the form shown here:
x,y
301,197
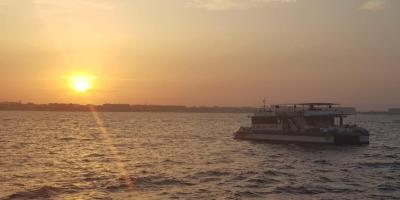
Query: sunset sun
x,y
81,84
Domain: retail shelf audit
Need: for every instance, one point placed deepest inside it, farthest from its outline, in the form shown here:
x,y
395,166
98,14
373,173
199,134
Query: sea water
x,y
82,155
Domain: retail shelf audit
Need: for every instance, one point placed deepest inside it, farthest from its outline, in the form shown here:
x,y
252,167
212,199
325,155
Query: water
x,y
62,155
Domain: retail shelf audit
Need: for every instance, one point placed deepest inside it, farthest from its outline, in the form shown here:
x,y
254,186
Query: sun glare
x,y
81,84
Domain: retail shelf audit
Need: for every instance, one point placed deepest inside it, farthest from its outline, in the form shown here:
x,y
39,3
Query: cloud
x,y
374,5
52,8
70,4
231,4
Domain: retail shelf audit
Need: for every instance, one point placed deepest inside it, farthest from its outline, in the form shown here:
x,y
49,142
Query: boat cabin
x,y
298,117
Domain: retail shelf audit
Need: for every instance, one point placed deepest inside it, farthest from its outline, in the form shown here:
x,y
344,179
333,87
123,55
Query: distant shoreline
x,y
17,106
69,107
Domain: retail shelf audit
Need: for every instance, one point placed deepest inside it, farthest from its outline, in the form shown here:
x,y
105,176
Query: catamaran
x,y
305,122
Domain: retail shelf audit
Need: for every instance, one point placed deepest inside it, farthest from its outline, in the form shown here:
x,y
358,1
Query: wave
x,y
383,196
389,187
322,162
263,181
389,148
296,190
381,164
277,173
311,190
94,155
247,194
149,183
67,138
44,192
211,173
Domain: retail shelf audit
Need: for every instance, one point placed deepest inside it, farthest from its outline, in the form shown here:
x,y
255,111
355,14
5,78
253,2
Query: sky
x,y
202,52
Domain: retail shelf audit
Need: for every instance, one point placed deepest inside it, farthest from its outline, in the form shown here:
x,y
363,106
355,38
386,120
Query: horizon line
x,y
178,105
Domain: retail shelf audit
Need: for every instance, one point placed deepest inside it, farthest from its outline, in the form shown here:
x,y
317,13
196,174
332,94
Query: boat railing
x,y
293,110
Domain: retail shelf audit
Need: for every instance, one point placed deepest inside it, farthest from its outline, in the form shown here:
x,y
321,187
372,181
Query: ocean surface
x,y
72,155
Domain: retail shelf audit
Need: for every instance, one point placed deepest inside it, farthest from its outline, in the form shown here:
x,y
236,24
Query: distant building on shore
x,y
394,110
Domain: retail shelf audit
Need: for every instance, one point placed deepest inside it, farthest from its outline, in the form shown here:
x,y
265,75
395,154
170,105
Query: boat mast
x,y
264,104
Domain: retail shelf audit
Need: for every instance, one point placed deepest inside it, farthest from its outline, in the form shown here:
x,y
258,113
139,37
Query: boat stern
x,y
354,135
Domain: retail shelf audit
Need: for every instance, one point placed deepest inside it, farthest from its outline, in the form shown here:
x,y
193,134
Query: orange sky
x,y
202,52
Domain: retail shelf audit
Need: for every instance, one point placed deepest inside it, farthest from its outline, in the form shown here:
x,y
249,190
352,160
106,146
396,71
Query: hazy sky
x,y
202,52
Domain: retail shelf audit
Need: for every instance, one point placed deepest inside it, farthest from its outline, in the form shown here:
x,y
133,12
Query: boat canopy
x,y
309,104
317,104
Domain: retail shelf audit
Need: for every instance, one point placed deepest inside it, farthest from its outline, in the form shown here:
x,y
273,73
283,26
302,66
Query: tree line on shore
x,y
19,106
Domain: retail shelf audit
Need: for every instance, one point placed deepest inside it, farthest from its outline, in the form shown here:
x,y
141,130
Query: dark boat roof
x,y
317,104
312,104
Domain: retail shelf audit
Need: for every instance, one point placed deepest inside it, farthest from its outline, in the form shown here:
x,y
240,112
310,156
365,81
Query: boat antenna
x,y
264,104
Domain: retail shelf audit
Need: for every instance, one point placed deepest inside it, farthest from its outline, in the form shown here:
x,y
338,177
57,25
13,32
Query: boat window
x,y
320,121
264,120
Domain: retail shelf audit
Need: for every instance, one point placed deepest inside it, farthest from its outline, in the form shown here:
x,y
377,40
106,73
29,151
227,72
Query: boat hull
x,y
286,138
322,138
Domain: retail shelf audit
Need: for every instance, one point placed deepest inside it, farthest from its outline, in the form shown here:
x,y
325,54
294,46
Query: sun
x,y
81,84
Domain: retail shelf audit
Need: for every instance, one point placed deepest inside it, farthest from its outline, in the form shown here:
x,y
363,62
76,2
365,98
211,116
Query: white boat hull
x,y
324,138
289,138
